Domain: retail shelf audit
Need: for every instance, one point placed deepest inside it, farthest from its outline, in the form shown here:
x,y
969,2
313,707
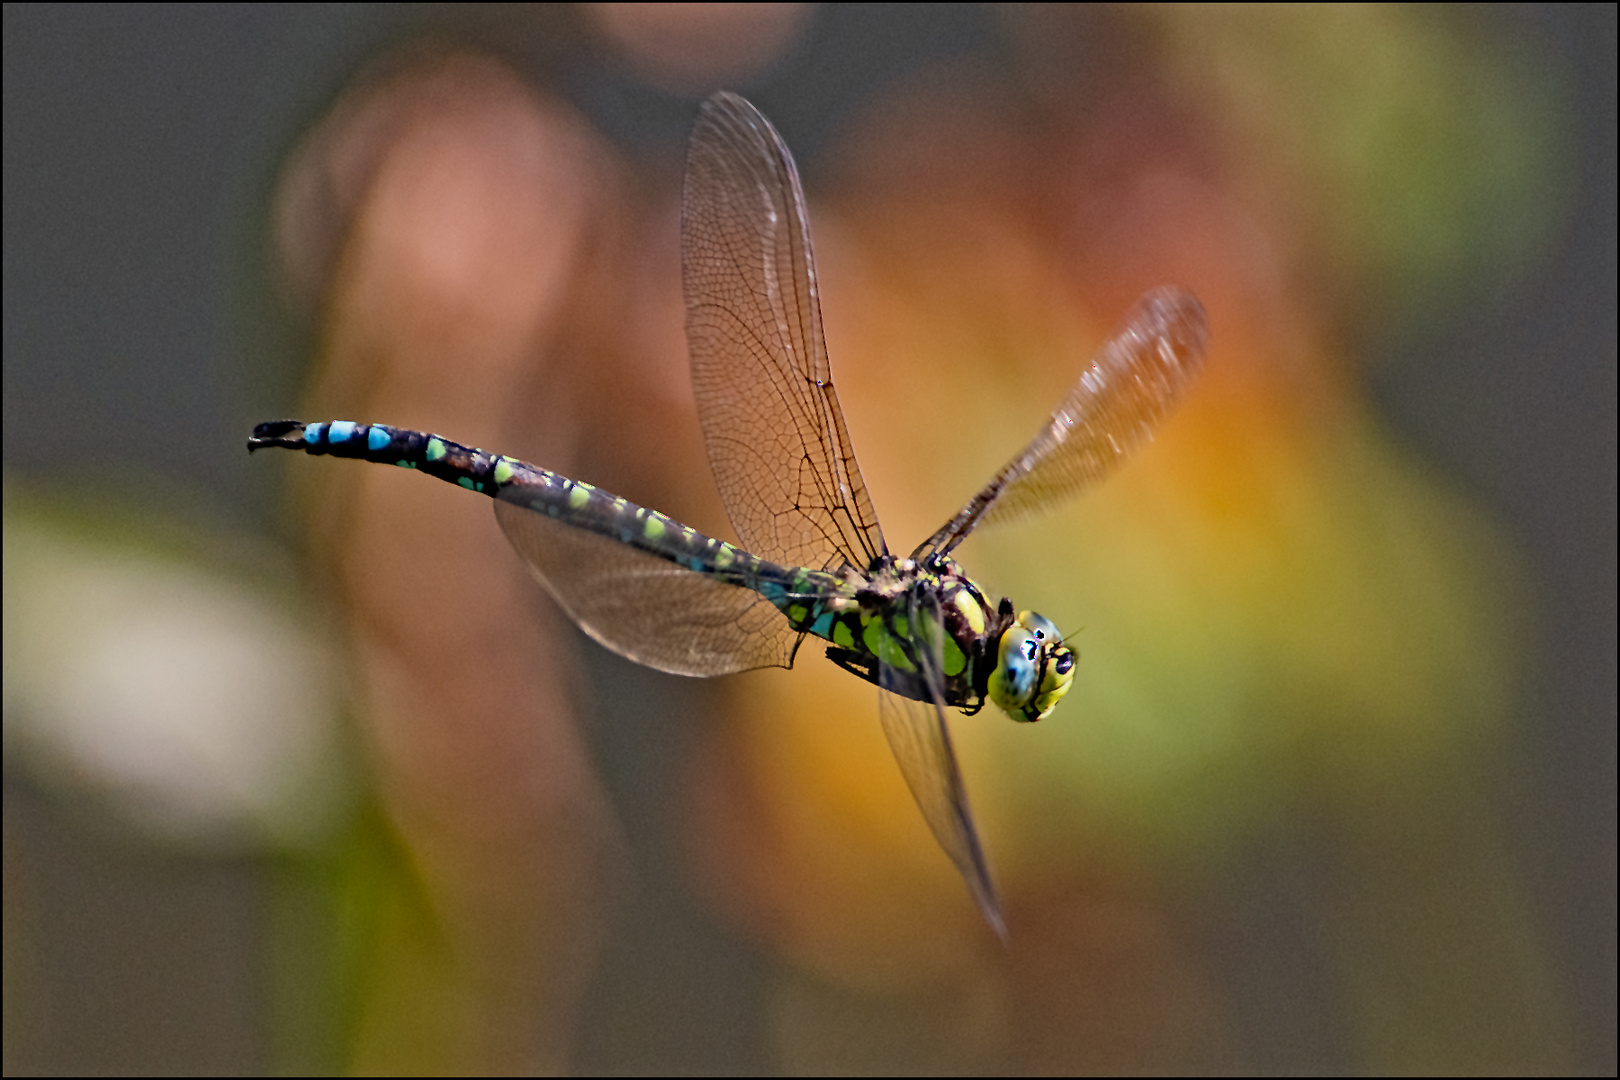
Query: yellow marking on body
x,y
1048,701
436,450
504,471
842,636
653,528
724,555
970,609
579,495
955,662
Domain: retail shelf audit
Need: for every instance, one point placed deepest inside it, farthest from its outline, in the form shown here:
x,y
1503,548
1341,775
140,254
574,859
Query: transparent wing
x,y
921,742
644,608
1125,393
775,432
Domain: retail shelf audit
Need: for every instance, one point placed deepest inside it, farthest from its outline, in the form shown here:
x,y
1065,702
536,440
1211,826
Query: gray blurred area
x,y
144,337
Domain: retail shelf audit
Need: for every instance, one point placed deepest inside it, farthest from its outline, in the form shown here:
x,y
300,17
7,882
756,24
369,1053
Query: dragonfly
x,y
811,559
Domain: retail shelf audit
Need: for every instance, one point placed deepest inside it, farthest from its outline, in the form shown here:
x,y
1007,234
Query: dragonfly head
x,y
1033,668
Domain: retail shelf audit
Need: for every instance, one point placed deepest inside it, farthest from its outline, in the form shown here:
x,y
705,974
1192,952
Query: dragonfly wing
x,y
1125,393
645,608
775,432
922,747
921,742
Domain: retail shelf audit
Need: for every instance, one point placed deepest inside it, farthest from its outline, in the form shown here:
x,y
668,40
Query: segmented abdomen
x,y
571,502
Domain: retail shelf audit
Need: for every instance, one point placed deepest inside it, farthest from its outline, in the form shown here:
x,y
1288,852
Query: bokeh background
x,y
302,772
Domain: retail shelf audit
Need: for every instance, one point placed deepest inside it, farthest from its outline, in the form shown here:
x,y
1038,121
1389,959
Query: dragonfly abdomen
x,y
572,502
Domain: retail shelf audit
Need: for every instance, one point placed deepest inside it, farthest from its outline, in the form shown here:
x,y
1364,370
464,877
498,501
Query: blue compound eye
x,y
1041,627
1014,681
1034,668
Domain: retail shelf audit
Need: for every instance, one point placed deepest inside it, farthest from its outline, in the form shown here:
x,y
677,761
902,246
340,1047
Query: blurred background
x,y
303,772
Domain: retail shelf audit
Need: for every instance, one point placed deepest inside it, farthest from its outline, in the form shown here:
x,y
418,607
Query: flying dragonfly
x,y
812,561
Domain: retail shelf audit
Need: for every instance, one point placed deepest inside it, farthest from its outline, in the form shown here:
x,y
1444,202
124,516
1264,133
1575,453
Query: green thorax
x,y
896,616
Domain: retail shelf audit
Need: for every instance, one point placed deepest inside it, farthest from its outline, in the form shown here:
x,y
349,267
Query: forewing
x,y
643,607
1124,394
775,432
921,742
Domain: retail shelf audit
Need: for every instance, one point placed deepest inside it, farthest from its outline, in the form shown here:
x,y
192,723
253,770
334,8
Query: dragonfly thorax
x,y
1020,663
903,618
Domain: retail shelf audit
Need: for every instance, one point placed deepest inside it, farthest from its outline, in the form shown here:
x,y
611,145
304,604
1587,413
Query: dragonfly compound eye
x,y
1017,675
1034,669
1041,627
